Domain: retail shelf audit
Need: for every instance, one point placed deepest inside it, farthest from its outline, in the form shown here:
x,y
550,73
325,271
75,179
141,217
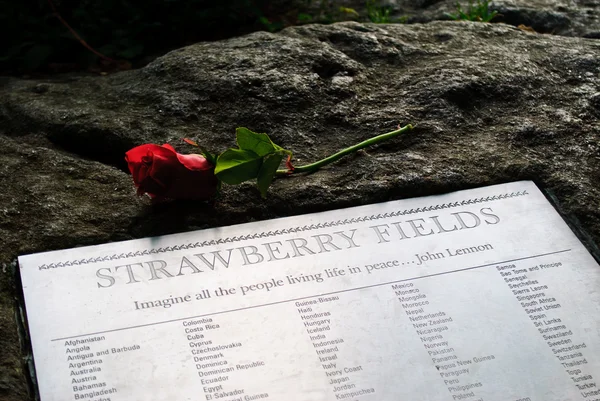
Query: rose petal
x,y
135,161
194,162
193,184
142,161
136,154
162,173
151,187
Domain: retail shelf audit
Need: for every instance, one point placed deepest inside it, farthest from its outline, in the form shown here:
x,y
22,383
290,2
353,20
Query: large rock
x,y
491,104
50,199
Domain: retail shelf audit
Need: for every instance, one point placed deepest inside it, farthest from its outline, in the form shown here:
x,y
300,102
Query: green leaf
x,y
257,157
267,172
260,144
235,166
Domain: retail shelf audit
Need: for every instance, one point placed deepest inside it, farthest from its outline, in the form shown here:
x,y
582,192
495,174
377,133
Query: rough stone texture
x,y
559,17
49,199
491,103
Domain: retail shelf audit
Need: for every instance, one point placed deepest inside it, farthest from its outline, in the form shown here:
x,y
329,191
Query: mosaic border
x,y
226,240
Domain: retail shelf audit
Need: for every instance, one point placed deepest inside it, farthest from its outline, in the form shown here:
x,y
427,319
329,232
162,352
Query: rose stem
x,y
309,168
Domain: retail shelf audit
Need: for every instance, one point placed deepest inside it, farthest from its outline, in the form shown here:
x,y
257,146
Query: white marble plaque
x,y
483,294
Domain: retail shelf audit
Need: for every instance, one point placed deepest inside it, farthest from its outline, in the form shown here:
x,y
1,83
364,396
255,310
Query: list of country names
x,y
85,359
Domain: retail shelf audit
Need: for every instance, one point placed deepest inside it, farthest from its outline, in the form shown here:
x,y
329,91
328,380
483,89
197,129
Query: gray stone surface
x,y
491,104
49,199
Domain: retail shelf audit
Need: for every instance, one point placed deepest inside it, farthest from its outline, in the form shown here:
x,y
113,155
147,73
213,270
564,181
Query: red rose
x,y
161,172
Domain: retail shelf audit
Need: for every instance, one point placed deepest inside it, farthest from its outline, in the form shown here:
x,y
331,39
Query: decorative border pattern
x,y
311,227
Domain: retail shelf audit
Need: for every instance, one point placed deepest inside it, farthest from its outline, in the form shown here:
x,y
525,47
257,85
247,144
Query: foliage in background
x,y
479,11
136,31
381,13
35,39
377,13
325,12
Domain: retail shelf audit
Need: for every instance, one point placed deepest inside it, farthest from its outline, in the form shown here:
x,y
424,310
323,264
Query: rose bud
x,y
161,172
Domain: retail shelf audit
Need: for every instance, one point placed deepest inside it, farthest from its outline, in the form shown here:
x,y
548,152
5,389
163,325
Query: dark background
x,y
135,31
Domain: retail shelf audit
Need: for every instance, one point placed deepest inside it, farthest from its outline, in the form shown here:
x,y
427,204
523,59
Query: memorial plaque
x,y
483,294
